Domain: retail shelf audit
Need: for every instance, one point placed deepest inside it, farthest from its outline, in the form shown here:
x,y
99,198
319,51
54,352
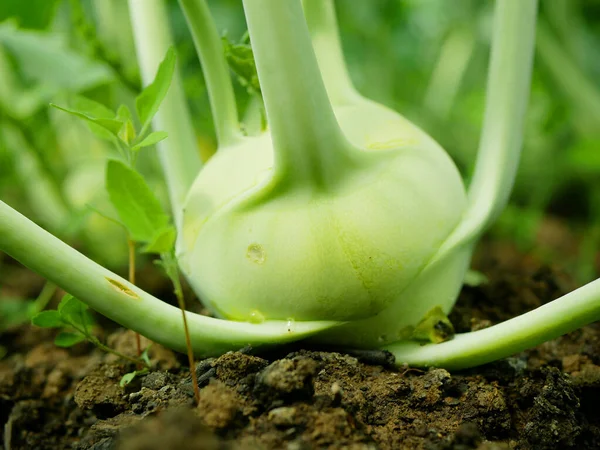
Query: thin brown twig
x,y
131,245
188,341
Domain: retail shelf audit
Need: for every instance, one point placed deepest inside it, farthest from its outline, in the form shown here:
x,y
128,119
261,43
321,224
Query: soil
x,y
301,398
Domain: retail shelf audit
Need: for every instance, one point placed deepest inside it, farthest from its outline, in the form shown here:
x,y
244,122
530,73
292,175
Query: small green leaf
x,y
473,278
127,132
93,108
68,339
139,209
104,214
163,241
151,97
144,356
111,125
240,58
123,113
151,139
127,378
101,132
75,312
48,319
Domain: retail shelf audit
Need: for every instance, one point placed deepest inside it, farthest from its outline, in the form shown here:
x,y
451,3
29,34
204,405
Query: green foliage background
x,y
425,58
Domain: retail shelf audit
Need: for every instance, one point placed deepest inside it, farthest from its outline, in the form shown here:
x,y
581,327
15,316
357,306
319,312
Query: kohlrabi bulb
x,y
255,248
331,215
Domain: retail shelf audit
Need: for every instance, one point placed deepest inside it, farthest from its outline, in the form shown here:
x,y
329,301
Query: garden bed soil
x,y
302,398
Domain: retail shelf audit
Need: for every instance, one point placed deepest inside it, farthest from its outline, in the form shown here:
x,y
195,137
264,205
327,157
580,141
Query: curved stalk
x,y
566,314
126,304
322,24
309,145
452,63
179,154
215,69
254,117
507,95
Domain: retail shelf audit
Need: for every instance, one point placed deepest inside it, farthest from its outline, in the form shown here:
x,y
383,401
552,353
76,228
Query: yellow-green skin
x,y
351,251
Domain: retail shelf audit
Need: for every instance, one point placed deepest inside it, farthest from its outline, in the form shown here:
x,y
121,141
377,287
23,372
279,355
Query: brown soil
x,y
299,398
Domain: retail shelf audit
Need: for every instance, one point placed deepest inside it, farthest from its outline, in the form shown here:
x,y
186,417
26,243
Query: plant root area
x,y
303,398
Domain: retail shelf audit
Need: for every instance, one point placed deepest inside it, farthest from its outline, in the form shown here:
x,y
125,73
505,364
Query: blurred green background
x,y
425,58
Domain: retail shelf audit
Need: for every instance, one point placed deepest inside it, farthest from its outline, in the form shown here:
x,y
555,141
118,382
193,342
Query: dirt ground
x,y
301,398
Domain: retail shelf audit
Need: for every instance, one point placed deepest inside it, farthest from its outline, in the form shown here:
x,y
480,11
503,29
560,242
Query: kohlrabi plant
x,y
342,223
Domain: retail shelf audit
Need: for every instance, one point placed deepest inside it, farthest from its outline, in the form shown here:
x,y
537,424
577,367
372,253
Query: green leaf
x,y
104,214
48,319
139,209
127,132
151,139
113,126
151,97
163,241
92,108
144,356
95,109
68,339
473,278
75,312
129,377
240,58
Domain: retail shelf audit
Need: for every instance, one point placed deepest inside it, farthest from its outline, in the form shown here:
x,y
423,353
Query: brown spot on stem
x,y
122,288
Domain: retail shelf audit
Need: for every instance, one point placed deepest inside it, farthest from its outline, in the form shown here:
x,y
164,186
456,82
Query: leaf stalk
x,y
215,69
179,155
310,148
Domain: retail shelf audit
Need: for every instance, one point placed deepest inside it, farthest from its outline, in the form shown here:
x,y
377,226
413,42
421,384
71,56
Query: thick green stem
x,y
128,305
216,71
507,96
309,145
547,322
322,24
179,154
